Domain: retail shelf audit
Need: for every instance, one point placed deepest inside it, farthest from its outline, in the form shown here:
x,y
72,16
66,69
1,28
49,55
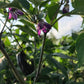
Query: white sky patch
x,y
1,25
67,25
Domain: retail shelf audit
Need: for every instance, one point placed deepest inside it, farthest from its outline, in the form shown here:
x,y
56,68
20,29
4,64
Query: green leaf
x,y
78,5
17,31
2,4
40,16
55,0
43,4
74,36
80,49
63,56
25,4
77,83
24,21
55,25
27,29
57,64
40,83
46,71
7,41
1,54
36,2
52,10
52,15
15,4
72,47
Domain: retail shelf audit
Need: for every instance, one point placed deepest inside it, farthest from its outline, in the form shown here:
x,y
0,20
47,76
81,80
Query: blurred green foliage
x,y
63,59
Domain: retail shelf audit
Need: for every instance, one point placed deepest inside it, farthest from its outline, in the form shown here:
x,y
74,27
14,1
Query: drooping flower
x,y
66,8
43,26
13,12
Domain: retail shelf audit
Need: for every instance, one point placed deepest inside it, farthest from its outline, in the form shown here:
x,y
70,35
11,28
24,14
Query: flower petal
x,y
19,12
10,9
48,26
44,29
14,15
39,32
10,16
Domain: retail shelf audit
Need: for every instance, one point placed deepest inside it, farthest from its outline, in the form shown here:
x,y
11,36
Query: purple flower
x,y
65,9
13,12
43,26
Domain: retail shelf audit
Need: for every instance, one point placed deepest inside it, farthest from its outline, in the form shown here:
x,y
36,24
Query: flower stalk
x,y
40,60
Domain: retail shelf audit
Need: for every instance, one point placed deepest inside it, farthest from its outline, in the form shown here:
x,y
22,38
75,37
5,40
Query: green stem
x,y
40,60
12,34
3,28
18,77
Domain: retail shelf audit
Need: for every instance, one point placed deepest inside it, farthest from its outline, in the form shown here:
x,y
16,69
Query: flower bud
x,y
43,26
65,9
13,12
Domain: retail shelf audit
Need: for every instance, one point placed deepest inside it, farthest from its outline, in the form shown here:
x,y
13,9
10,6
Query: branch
x,y
12,34
15,39
40,60
18,77
3,27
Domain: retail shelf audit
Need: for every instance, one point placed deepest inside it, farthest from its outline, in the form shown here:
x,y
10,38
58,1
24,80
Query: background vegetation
x,y
21,47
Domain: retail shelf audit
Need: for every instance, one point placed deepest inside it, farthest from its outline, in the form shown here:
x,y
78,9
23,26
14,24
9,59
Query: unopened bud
x,y
65,9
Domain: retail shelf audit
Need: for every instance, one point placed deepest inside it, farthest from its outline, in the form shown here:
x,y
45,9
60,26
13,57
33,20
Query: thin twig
x,y
3,28
15,39
12,34
40,60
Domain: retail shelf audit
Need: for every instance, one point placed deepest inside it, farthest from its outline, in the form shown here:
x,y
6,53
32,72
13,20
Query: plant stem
x,y
40,60
12,34
18,77
3,28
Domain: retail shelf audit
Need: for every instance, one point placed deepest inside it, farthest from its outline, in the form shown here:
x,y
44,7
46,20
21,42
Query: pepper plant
x,y
28,55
